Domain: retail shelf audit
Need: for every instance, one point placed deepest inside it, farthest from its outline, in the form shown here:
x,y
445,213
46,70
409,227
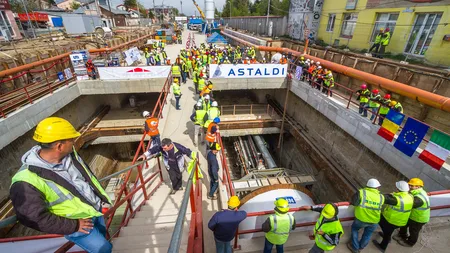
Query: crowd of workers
x,y
56,192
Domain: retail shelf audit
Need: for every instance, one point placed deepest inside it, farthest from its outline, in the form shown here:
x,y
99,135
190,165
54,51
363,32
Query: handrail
x,y
225,171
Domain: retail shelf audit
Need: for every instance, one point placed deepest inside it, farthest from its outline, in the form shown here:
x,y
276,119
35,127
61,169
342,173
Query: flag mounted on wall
x,y
390,125
411,136
437,150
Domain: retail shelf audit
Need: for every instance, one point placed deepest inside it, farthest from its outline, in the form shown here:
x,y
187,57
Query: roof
x,y
55,8
114,11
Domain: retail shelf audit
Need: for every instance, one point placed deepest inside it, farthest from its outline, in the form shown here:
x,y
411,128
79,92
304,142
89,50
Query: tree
x,y
238,8
75,5
150,14
17,6
217,13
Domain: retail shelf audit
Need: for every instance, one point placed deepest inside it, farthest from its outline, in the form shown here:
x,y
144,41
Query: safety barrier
x,y
226,178
246,109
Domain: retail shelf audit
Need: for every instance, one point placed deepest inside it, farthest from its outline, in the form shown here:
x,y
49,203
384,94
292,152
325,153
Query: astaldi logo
x,y
290,199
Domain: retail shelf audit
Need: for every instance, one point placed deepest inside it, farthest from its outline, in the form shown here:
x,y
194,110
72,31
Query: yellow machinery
x,y
199,10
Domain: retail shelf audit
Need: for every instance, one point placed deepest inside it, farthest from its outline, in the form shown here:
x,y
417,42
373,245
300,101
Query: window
x,y
348,25
384,20
330,25
422,33
4,22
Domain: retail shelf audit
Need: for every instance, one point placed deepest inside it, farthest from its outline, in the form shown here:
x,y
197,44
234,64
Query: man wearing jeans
x,y
213,170
225,223
368,202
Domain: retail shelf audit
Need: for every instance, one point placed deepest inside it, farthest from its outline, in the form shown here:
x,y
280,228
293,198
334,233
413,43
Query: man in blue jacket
x,y
225,223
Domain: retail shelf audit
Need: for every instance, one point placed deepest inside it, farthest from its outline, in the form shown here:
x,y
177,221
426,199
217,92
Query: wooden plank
x,y
273,181
282,180
295,180
265,182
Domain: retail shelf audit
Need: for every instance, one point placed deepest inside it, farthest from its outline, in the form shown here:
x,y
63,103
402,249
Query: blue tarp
x,y
216,38
57,22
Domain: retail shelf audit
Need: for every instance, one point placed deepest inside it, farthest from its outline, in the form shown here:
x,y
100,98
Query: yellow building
x,y
418,29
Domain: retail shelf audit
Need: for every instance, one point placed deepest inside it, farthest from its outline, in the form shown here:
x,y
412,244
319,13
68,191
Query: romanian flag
x,y
391,124
437,150
411,136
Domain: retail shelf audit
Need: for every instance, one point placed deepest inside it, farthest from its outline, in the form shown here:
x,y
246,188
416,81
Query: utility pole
x,y
181,3
267,20
29,21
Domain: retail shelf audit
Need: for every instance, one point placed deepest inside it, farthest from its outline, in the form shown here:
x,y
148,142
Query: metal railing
x,y
246,109
226,176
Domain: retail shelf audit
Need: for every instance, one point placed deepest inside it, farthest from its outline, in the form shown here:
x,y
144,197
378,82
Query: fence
x,y
258,24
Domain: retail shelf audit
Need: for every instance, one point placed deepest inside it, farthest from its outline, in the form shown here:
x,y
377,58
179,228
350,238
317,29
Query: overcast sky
x,y
188,5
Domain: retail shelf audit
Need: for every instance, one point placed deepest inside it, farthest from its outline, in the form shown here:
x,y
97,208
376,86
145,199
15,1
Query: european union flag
x,y
411,136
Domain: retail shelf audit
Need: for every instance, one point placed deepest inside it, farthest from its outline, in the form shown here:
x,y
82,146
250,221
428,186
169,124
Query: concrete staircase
x,y
151,229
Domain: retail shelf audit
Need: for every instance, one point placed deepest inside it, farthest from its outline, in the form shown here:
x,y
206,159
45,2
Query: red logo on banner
x,y
138,70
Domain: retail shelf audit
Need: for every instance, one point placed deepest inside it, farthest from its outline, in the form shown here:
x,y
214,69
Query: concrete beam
x,y
92,87
248,83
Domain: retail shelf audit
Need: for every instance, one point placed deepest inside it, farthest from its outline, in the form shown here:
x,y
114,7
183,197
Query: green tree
x,y
75,5
238,8
217,13
17,6
150,14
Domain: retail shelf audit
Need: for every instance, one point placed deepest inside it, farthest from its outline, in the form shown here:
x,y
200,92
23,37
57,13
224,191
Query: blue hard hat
x,y
216,120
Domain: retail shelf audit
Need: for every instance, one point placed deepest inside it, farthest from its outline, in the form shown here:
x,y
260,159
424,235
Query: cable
x,y
425,237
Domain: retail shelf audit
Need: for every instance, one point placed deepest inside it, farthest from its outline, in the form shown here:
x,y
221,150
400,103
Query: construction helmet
x,y
387,96
373,183
216,120
392,103
320,67
416,182
216,146
302,58
54,129
318,63
145,114
199,104
233,202
282,204
175,80
206,97
328,211
375,91
402,186
214,103
363,86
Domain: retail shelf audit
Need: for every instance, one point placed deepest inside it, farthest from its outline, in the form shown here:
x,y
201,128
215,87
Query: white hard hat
x,y
402,186
206,97
312,61
199,103
318,63
373,183
214,103
145,114
320,67
330,75
168,58
247,58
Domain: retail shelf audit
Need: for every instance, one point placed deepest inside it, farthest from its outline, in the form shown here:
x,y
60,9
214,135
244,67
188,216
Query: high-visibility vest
x,y
199,116
157,57
205,59
421,214
372,103
329,82
176,89
176,70
60,201
184,67
311,69
378,39
195,77
163,45
152,125
332,227
147,54
206,106
399,107
283,61
370,203
211,137
281,225
384,108
164,54
213,113
386,38
364,96
189,64
201,83
155,44
398,215
237,55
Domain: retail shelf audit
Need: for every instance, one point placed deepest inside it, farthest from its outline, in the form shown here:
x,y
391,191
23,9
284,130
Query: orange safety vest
x,y
152,125
311,69
283,61
246,62
253,61
168,62
211,137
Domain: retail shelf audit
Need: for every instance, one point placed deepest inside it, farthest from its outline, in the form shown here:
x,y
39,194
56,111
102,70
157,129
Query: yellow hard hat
x,y
175,80
302,58
282,204
416,182
216,146
54,129
328,211
392,103
234,202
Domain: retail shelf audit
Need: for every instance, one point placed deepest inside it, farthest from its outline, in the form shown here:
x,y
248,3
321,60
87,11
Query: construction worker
x,y
253,60
207,89
363,97
311,69
155,45
211,131
374,103
263,60
206,102
195,78
283,60
225,223
328,229
420,215
56,192
180,40
226,60
213,170
189,67
147,56
151,128
384,108
376,44
385,39
252,52
247,60
278,226
164,56
199,117
184,71
367,202
162,45
328,81
318,77
176,92
92,73
213,112
173,156
204,59
168,61
176,72
201,84
395,213
396,106
157,58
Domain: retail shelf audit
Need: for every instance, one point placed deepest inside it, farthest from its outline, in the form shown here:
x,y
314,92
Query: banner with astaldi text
x,y
247,70
138,72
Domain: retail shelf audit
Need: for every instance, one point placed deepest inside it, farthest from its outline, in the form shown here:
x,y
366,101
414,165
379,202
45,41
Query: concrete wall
x,y
248,83
257,25
91,87
352,141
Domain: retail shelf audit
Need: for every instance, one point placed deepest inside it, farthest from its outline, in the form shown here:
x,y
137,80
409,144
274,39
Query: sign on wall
x,y
141,72
248,71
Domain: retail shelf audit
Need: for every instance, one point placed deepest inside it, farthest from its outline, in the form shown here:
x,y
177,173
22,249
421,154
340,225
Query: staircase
x,y
151,229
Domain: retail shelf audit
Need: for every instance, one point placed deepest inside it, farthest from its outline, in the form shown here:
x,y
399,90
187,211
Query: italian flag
x,y
437,150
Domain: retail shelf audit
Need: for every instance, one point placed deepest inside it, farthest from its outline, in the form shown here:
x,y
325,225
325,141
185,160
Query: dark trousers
x,y
362,109
183,76
381,118
177,102
376,46
268,247
414,231
176,178
387,229
213,182
381,52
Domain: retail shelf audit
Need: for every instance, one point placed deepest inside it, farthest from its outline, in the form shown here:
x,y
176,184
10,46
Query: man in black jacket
x,y
56,192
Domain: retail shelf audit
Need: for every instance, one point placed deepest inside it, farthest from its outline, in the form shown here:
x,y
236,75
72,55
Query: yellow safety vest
x,y
281,225
176,70
201,83
398,215
421,214
385,109
372,103
364,96
199,116
332,227
369,209
176,89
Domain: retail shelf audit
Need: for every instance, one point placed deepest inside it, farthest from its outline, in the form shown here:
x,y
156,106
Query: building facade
x,y
419,28
8,26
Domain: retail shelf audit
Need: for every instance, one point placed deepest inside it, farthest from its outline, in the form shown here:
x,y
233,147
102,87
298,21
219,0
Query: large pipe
x,y
422,96
259,141
9,72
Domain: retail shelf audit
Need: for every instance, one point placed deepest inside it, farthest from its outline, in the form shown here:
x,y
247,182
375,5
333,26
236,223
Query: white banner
x,y
248,70
132,55
139,72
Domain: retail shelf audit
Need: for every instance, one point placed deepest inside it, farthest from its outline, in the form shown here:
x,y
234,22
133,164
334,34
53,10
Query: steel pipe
x,y
259,141
422,96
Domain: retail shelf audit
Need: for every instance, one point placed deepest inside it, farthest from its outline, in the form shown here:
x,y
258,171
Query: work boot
x,y
350,247
404,243
398,238
378,246
214,197
209,197
181,188
172,192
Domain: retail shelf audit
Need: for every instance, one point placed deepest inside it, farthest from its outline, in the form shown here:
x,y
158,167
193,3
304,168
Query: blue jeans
x,y
213,182
223,247
183,76
156,140
373,110
268,247
148,61
177,102
369,228
362,109
95,241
